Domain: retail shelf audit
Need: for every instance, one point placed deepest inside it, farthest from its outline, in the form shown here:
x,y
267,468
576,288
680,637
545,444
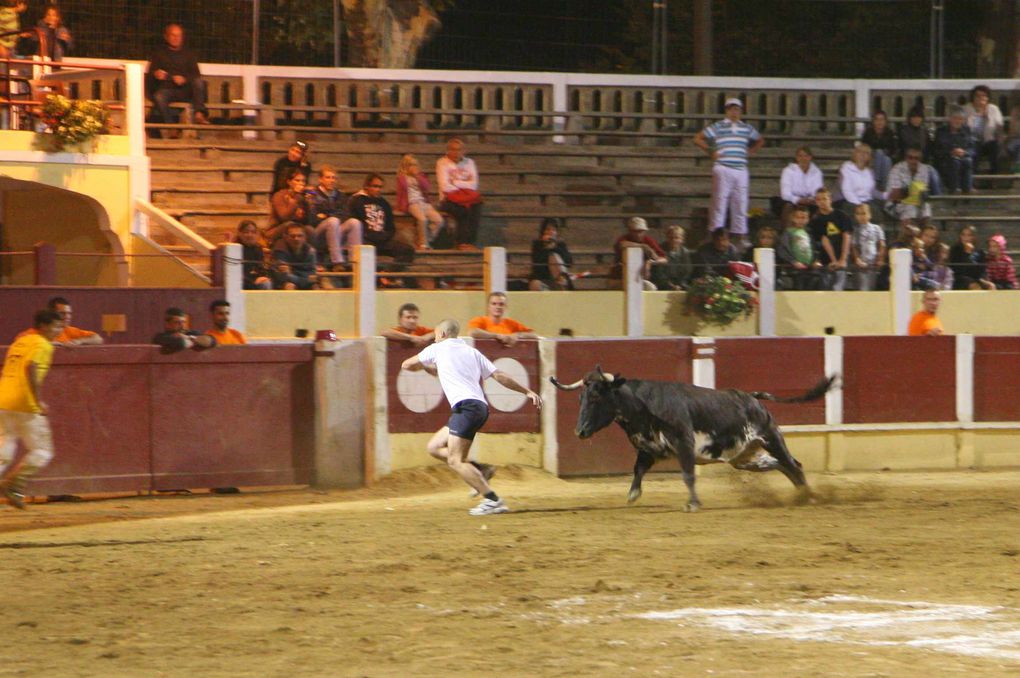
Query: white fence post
x,y
233,284
765,260
495,270
364,287
633,286
899,288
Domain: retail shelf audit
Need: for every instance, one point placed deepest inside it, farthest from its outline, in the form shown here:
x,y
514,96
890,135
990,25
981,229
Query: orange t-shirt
x,y
418,331
504,326
70,334
228,337
922,323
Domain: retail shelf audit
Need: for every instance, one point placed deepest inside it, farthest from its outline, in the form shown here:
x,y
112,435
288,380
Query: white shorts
x,y
33,430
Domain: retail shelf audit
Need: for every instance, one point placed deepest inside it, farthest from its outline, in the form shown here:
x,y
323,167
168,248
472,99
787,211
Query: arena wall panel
x,y
996,378
899,379
609,451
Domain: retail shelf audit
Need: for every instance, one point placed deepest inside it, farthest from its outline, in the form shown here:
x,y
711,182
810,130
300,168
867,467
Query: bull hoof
x,y
633,496
692,508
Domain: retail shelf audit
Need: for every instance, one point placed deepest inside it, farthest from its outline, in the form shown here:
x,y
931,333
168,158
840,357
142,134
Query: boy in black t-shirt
x,y
830,230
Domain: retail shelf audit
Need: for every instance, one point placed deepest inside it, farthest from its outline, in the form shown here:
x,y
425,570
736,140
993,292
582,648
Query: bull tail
x,y
819,390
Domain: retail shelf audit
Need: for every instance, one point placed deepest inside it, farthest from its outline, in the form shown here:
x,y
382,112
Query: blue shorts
x,y
467,418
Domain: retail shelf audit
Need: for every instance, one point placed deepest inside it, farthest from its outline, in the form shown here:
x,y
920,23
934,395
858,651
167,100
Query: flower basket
x,y
72,121
719,301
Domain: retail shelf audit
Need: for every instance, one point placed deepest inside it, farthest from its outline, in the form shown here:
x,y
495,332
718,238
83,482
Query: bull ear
x,y
618,381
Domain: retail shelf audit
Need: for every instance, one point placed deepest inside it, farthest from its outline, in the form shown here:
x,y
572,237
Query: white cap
x,y
733,101
637,224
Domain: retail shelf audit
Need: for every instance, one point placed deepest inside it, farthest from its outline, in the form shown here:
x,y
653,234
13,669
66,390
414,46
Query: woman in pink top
x,y
413,197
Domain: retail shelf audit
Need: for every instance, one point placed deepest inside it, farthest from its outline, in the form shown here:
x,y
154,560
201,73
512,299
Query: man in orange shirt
x,y
408,329
224,335
497,326
925,322
71,336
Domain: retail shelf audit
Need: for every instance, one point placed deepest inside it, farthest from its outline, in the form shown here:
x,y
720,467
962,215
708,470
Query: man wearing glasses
x,y
911,182
371,212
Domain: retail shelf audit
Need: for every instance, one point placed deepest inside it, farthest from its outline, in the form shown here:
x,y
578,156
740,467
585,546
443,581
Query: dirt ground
x,y
888,574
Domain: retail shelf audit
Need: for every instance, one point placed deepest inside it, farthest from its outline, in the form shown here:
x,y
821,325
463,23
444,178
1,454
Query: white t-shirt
x,y
461,369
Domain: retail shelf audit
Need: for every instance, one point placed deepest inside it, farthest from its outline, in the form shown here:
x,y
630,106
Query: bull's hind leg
x,y
684,446
775,444
644,462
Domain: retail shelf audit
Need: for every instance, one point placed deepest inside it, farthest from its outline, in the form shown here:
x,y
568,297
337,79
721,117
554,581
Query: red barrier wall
x,y
899,379
142,308
996,378
523,419
609,451
129,418
782,366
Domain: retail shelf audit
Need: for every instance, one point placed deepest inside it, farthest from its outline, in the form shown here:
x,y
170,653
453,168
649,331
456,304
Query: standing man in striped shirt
x,y
729,142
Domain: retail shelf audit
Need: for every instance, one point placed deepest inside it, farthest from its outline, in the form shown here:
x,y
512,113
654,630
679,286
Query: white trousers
x,y
33,430
729,189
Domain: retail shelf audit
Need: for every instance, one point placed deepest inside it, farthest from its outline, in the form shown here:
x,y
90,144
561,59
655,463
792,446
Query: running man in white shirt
x,y
461,369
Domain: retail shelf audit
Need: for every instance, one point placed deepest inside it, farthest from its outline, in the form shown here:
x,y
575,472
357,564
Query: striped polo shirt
x,y
732,140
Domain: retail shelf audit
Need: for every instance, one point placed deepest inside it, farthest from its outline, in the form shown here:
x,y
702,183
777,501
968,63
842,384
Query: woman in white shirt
x,y
799,181
986,124
856,185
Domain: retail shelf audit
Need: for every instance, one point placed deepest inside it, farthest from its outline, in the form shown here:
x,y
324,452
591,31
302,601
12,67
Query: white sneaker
x,y
489,507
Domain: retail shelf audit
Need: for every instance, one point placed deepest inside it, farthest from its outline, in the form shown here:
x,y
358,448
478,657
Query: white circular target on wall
x,y
418,391
502,398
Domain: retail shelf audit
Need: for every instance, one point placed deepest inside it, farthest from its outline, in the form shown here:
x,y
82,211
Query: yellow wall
x,y
988,313
408,449
279,313
665,317
160,272
849,313
588,314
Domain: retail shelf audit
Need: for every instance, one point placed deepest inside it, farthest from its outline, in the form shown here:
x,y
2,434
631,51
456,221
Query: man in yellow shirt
x,y
495,325
221,332
23,414
925,322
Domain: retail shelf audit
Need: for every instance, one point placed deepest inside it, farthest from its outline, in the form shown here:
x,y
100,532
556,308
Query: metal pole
x,y
664,40
942,38
254,32
655,37
337,25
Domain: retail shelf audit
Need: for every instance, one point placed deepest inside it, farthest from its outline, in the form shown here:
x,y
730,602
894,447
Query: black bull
x,y
696,425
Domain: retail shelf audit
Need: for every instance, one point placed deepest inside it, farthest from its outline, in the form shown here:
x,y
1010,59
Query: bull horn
x,y
567,387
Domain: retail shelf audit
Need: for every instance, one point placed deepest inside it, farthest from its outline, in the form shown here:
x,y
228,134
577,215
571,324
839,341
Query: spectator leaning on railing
x,y
71,336
219,312
925,323
496,325
408,330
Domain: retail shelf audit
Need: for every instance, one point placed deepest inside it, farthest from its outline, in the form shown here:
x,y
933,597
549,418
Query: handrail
x,y
174,227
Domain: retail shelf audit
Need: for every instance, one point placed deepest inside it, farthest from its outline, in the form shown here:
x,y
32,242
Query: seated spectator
x,y
830,230
884,145
953,151
288,206
408,330
637,236
940,275
177,336
984,119
677,270
550,259
925,323
920,266
253,257
413,197
373,215
929,236
911,183
868,247
10,23
173,77
715,256
496,325
856,185
294,261
913,133
334,232
796,263
798,183
71,336
458,189
296,160
966,260
999,266
221,330
51,38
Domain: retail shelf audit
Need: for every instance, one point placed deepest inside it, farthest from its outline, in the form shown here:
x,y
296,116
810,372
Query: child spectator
x,y
999,265
920,266
830,230
940,277
966,260
678,269
868,242
413,191
796,253
716,255
550,259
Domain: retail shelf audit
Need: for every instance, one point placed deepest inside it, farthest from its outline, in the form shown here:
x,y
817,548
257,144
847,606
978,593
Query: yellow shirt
x,y
15,391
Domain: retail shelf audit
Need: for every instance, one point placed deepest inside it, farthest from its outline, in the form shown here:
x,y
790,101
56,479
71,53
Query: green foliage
x,y
72,121
718,300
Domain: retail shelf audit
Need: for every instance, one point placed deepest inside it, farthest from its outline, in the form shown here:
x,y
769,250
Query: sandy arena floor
x,y
890,574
